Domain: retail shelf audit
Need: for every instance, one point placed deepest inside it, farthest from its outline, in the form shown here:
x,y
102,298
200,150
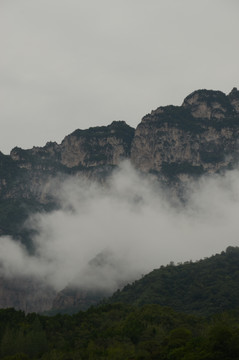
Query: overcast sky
x,y
68,64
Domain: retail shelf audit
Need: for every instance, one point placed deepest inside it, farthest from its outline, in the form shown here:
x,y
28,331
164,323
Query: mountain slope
x,y
204,287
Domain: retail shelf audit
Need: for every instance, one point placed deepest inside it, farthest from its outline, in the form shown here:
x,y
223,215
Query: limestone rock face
x,y
25,294
90,153
105,145
234,99
199,136
208,104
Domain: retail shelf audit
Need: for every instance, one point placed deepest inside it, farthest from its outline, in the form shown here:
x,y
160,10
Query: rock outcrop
x,y
91,153
199,136
98,146
25,294
105,145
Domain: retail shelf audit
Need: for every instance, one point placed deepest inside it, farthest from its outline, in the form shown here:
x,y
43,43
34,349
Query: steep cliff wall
x,y
91,153
103,145
25,294
199,136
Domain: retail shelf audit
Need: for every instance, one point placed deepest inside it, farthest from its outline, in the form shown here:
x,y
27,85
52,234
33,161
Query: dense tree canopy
x,y
205,287
118,331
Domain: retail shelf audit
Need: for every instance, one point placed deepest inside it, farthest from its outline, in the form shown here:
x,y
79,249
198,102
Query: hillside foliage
x,y
118,332
204,287
198,328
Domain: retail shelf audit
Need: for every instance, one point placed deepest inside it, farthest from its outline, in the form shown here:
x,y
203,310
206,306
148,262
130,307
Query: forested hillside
x,y
119,332
204,287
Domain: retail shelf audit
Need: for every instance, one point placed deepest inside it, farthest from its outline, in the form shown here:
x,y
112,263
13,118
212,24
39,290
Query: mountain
x,y
199,136
172,143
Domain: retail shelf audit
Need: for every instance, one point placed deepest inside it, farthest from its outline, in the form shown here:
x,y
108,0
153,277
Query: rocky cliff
x,y
98,146
26,294
172,142
199,136
26,173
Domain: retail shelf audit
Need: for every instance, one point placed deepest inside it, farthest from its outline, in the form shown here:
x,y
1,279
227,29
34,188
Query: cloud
x,y
104,236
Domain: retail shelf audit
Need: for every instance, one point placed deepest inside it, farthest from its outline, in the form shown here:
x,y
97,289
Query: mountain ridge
x,y
198,136
172,143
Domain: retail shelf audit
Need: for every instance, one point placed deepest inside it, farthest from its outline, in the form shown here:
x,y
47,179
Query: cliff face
x,y
25,294
103,145
199,136
106,145
91,153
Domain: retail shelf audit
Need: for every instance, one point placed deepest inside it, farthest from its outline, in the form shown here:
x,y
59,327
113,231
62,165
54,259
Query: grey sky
x,y
68,64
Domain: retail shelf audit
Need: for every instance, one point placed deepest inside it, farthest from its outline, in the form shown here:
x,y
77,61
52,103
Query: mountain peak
x,y
234,99
234,92
208,104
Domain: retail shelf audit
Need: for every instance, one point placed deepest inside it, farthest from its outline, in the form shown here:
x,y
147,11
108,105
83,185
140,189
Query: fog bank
x,y
104,236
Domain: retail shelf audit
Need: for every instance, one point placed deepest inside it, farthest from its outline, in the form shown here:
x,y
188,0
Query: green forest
x,y
204,287
119,331
135,324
